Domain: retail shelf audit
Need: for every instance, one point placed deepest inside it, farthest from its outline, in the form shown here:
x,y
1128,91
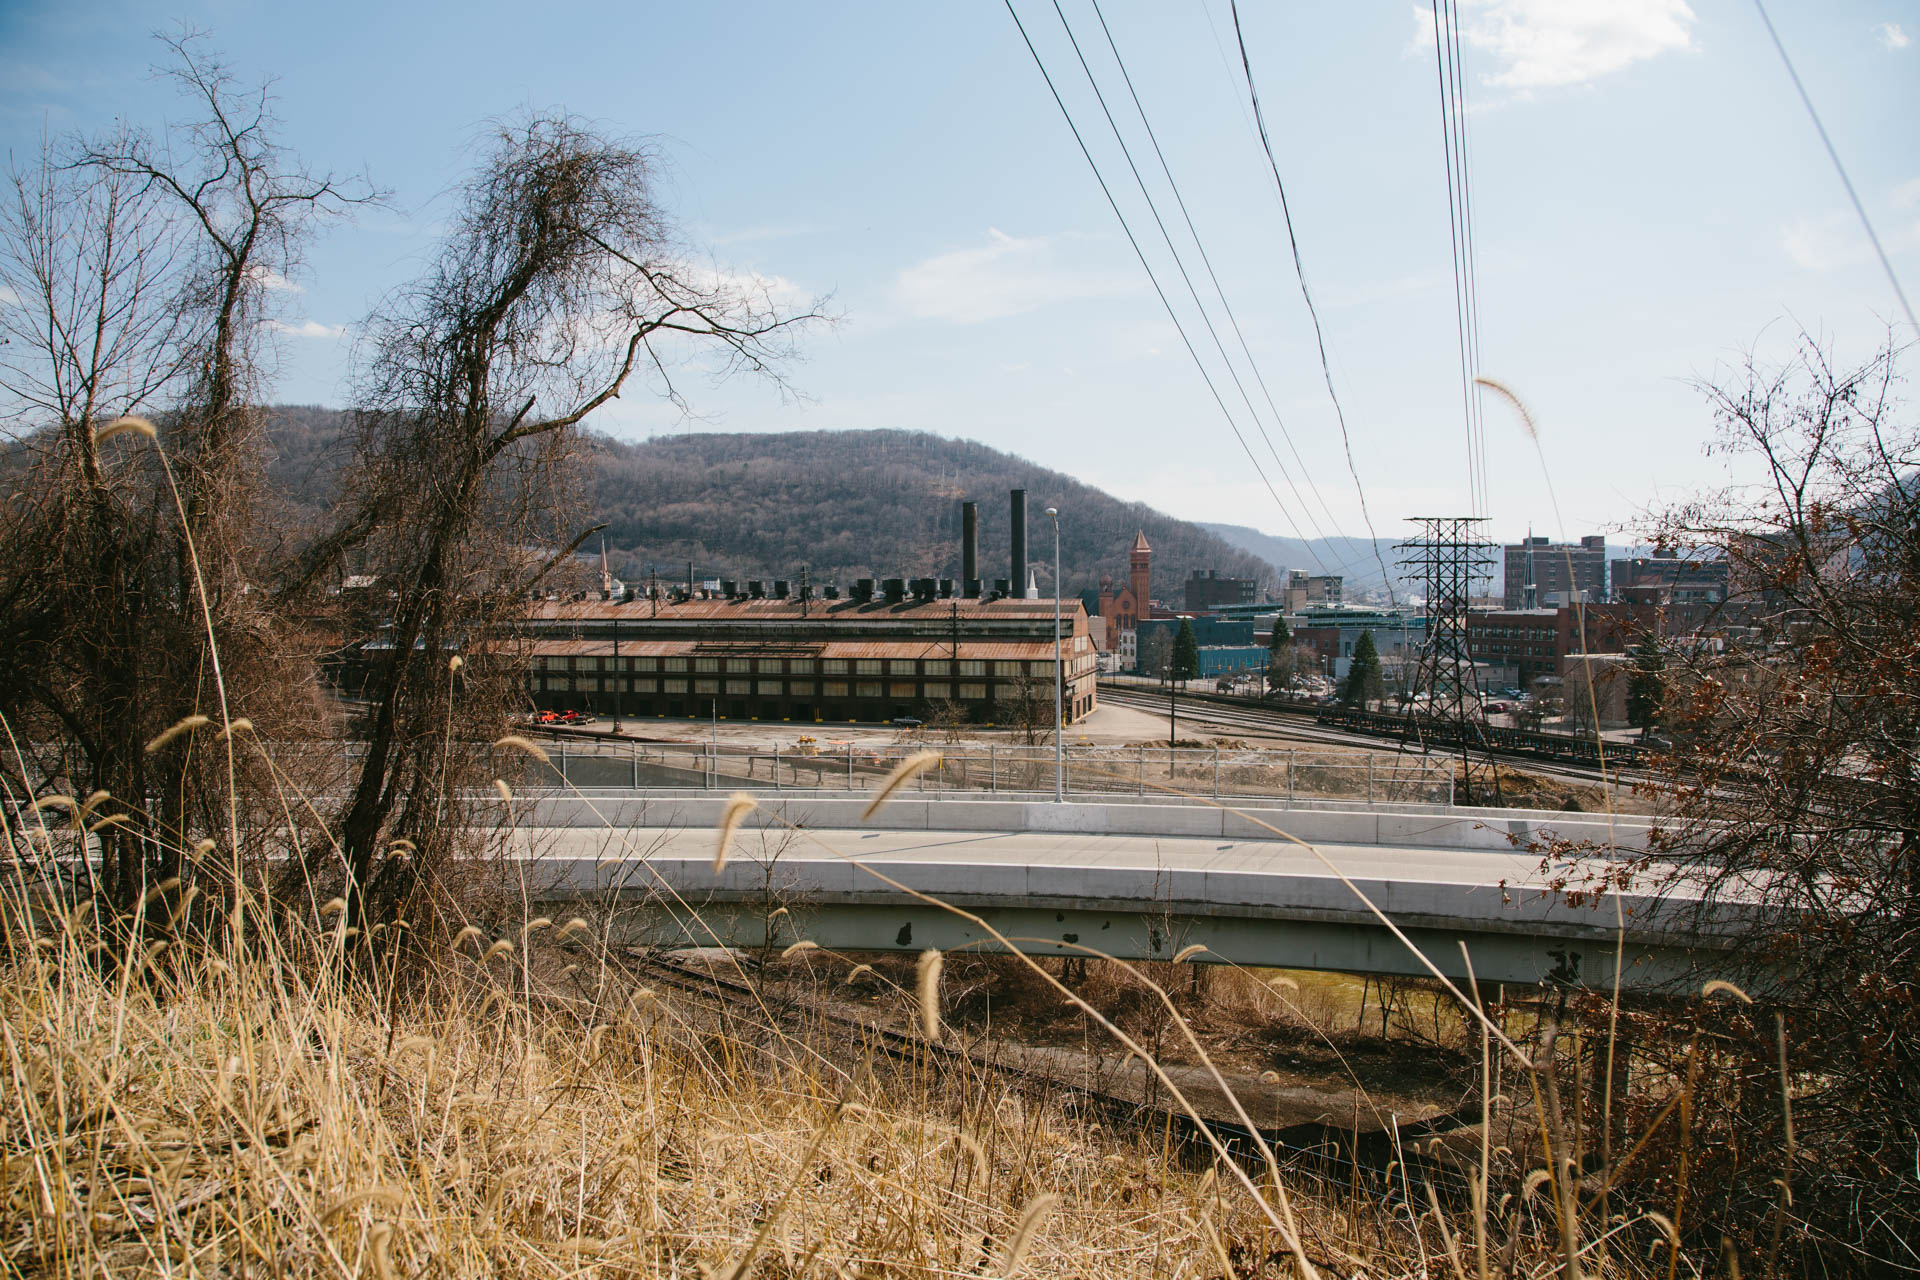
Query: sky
x,y
1650,201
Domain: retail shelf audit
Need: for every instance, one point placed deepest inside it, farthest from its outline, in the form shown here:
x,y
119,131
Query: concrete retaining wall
x,y
1491,829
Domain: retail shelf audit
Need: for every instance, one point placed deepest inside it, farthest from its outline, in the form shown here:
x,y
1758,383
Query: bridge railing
x,y
1300,776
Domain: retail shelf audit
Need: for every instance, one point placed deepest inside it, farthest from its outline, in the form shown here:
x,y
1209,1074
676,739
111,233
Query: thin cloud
x,y
756,235
274,282
308,329
1546,44
1892,35
1824,243
1007,276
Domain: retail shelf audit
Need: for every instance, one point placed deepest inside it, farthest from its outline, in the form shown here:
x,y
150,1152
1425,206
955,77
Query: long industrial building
x,y
822,660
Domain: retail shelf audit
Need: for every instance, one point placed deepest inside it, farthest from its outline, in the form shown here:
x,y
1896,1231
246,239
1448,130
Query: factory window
x,y
589,684
900,667
673,664
939,690
801,666
900,689
867,689
833,666
705,686
802,688
972,667
973,693
739,686
705,664
938,667
646,664
1043,670
770,666
867,667
1006,668
833,689
673,686
739,664
768,688
644,685
560,684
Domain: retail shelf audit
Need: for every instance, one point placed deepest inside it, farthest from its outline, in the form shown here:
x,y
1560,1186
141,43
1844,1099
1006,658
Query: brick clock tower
x,y
1124,609
1141,562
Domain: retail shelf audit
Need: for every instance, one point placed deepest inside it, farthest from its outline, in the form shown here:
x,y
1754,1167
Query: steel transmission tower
x,y
1447,558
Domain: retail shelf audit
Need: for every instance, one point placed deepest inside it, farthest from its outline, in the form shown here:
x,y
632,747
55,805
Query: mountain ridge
x,y
845,504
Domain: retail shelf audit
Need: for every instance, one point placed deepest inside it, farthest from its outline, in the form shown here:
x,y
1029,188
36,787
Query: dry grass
x,y
205,1115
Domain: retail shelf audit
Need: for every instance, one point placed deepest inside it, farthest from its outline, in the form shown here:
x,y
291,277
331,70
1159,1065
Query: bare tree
x,y
561,280
1798,784
142,266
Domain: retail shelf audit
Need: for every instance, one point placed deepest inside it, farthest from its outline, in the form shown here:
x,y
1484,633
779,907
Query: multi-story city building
x,y
1311,591
1665,578
1541,642
1209,591
1527,640
1545,575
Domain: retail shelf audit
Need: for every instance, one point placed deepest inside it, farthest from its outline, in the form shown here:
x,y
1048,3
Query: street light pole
x,y
1059,674
618,679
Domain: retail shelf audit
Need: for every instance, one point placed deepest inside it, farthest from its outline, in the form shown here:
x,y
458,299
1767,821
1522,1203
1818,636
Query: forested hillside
x,y
846,504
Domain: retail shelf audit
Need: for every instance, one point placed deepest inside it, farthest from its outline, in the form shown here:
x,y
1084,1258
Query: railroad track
x,y
1344,1152
1302,726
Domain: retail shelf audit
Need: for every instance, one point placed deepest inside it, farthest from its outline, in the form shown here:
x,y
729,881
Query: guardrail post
x,y
633,757
1369,777
1289,777
1140,773
849,764
1216,773
776,766
993,768
562,744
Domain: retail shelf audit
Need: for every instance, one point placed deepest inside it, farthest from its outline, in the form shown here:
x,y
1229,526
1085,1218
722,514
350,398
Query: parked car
x,y
906,722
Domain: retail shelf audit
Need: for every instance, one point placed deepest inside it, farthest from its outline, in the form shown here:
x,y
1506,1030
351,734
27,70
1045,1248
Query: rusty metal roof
x,y
913,647
909,612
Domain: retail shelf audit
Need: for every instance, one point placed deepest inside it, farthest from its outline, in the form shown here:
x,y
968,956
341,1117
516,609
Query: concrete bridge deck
x,y
1246,895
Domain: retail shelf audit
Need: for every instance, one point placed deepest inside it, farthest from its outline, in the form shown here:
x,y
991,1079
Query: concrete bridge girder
x,y
1260,903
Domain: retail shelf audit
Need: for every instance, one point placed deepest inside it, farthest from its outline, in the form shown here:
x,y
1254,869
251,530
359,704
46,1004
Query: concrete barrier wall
x,y
1490,829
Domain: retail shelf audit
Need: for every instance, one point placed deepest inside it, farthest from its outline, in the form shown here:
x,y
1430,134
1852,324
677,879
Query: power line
x,y
1148,268
1207,262
1453,149
1181,266
1471,257
1473,254
1834,155
1300,273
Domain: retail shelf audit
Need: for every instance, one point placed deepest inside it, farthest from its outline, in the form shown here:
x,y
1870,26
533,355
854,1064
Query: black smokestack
x,y
1019,578
969,541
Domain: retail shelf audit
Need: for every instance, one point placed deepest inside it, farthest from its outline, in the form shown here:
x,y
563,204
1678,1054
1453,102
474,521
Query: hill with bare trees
x,y
845,504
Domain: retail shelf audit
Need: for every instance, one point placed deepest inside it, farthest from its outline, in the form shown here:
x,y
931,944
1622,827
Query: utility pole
x,y
1059,674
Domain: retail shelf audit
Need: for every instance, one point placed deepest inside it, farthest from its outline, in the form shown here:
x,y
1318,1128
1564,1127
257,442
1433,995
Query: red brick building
x,y
1539,642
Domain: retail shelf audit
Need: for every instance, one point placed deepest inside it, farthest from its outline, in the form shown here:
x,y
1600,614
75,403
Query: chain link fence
x,y
1303,777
